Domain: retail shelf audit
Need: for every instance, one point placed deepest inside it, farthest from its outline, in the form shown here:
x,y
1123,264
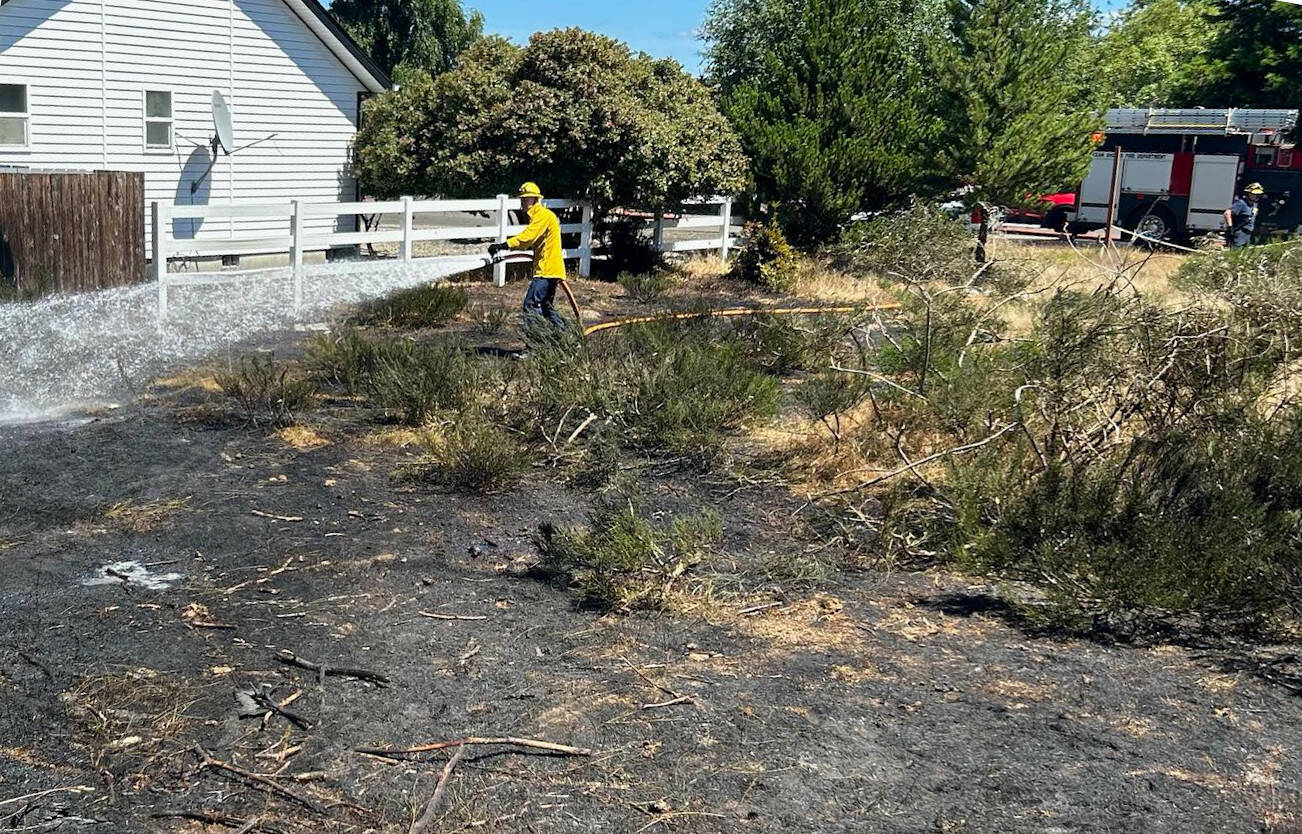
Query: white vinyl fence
x,y
720,219
297,238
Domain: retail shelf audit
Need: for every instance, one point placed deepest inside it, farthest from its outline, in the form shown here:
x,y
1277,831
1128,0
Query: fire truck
x,y
1180,169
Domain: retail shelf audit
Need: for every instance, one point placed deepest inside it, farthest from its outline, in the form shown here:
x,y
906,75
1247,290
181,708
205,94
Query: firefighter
x,y
543,236
1241,216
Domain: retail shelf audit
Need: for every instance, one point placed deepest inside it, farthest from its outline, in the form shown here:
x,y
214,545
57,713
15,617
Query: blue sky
x,y
664,28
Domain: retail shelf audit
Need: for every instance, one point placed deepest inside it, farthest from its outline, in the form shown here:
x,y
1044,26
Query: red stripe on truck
x,y
1181,174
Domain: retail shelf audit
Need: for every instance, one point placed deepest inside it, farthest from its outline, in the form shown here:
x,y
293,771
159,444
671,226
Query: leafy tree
x,y
1147,56
1016,122
576,111
1254,58
411,34
830,99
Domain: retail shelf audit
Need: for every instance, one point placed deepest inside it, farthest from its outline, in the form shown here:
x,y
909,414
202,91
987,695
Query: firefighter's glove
x,y
494,248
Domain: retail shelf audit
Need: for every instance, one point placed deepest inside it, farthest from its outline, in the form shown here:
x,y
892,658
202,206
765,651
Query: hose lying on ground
x,y
732,311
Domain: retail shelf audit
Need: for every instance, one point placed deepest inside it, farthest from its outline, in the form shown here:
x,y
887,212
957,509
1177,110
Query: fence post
x,y
499,269
658,232
726,212
158,268
296,251
406,228
585,243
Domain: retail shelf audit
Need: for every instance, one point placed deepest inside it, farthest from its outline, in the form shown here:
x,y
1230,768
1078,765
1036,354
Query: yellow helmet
x,y
530,189
1253,188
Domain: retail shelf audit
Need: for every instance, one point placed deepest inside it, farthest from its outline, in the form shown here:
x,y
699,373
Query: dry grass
x,y
198,378
302,438
817,280
132,722
135,516
699,267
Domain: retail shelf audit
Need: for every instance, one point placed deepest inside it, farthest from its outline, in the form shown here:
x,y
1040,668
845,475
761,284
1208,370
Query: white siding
x,y
88,64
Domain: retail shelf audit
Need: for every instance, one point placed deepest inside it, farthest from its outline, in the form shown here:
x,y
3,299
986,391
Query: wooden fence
x,y
71,232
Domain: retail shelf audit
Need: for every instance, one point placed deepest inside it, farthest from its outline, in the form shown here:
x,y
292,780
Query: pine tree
x,y
1255,57
830,99
1149,54
1016,122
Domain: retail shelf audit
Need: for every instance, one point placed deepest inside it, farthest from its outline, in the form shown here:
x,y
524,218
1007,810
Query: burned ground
x,y
867,701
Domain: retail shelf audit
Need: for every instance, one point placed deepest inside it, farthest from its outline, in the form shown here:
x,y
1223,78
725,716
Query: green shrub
x,y
417,381
265,390
684,395
348,358
598,467
478,456
783,344
766,258
427,305
490,318
1120,455
669,387
829,394
622,560
629,247
646,287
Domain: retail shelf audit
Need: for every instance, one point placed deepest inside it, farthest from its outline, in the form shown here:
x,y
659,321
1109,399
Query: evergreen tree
x,y
831,100
410,34
1254,59
1017,114
580,113
1148,56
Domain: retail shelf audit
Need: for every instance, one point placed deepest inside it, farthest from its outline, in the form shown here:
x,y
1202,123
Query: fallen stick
x,y
271,706
206,760
639,673
275,517
291,659
430,807
755,609
205,624
580,429
39,794
681,699
212,818
533,743
250,825
434,616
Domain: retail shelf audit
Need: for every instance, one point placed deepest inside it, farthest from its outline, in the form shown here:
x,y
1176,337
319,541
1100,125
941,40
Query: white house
x,y
127,85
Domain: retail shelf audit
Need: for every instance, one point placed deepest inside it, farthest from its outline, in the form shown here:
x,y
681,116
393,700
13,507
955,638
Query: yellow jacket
x,y
543,236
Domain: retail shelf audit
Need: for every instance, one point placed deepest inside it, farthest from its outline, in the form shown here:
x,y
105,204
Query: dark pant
x,y
538,302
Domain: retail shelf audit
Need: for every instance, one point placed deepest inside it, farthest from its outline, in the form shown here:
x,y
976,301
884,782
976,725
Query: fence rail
x,y
297,239
721,220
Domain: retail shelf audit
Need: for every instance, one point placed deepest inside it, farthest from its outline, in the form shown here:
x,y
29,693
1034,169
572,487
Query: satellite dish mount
x,y
223,135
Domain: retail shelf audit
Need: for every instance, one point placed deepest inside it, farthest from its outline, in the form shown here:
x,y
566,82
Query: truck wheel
x,y
1155,222
1056,219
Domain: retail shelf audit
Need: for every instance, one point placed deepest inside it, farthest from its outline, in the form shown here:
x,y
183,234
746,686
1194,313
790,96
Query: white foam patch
x,y
78,350
132,573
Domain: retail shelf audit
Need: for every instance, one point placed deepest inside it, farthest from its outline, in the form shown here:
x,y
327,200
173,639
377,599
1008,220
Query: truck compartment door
x,y
1211,191
1093,206
1148,174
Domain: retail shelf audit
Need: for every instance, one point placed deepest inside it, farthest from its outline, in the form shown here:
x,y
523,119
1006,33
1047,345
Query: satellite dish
x,y
223,136
221,122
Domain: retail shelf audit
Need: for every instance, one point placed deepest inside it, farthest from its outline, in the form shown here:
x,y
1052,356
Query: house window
x,y
13,116
158,119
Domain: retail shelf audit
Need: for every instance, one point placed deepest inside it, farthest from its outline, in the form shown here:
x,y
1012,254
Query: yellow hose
x,y
734,311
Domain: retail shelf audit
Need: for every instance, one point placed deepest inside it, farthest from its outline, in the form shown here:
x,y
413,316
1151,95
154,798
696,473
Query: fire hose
x,y
698,314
